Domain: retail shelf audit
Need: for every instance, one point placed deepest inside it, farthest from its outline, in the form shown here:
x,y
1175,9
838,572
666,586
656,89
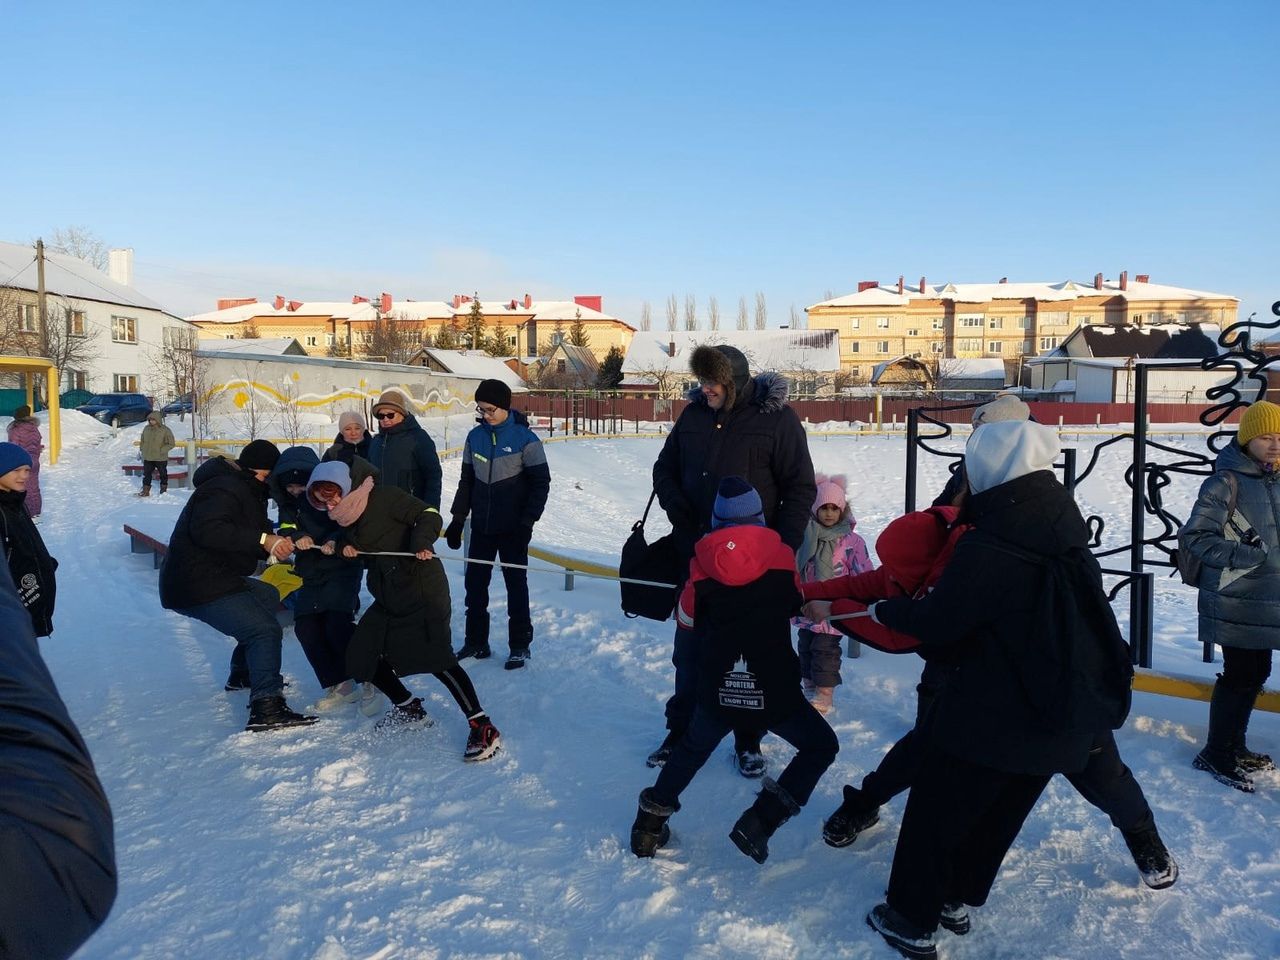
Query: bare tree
x,y
177,365
292,424
81,243
67,338
249,330
673,312
762,312
646,319
713,314
249,414
793,319
391,337
690,312
743,317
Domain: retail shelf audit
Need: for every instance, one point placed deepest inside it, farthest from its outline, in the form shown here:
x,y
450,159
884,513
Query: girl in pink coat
x,y
831,548
25,432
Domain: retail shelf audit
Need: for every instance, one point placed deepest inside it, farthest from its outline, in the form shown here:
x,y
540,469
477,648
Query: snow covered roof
x,y
971,368
566,310
256,345
66,276
1064,290
477,365
237,314
781,350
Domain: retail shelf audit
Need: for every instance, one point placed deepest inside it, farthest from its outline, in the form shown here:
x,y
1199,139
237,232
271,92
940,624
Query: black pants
x,y
150,467
509,548
455,680
961,820
324,638
680,706
1245,669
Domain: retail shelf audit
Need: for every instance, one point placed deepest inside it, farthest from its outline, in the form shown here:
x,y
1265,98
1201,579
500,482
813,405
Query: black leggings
x,y
455,680
1245,669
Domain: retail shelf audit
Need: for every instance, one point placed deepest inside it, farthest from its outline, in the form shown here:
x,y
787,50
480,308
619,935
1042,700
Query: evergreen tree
x,y
447,338
610,373
475,325
578,332
498,345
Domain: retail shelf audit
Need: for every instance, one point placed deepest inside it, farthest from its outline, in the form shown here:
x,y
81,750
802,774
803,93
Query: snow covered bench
x,y
140,542
177,478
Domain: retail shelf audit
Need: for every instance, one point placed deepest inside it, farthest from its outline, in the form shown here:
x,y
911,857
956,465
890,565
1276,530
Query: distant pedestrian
x,y
24,430
352,440
29,562
504,485
402,452
157,440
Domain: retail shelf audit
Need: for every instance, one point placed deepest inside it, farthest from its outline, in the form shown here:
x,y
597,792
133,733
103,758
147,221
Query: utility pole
x,y
41,307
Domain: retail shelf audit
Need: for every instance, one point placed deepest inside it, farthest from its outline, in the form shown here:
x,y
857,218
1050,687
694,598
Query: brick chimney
x,y
1124,279
120,266
511,305
671,349
1097,281
278,303
385,304
227,303
457,300
591,303
528,301
359,299
293,305
1142,278
902,287
923,286
867,285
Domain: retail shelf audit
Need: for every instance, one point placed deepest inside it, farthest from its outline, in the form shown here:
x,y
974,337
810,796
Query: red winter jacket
x,y
914,550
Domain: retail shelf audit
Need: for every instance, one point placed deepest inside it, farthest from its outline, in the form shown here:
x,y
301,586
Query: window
x,y
855,347
1028,346
882,346
76,325
312,340
1048,343
937,346
125,383
855,322
995,346
995,323
1055,319
124,330
913,332
939,322
969,320
77,380
1024,323
969,344
882,323
28,318
328,339
559,366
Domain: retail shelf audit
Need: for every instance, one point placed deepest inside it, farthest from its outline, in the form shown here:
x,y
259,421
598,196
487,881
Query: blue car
x,y
118,409
184,404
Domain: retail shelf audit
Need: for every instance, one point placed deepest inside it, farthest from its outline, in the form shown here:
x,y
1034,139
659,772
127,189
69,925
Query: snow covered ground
x,y
335,842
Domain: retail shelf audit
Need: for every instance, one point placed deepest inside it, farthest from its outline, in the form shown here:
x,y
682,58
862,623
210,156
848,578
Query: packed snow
x,y
334,842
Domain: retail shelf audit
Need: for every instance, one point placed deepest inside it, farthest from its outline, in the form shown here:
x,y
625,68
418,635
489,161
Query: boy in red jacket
x,y
744,588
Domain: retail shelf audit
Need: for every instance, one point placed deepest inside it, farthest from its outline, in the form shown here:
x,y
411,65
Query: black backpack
x,y
660,562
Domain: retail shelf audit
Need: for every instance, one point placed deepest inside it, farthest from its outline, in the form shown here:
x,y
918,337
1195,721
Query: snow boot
x,y
1246,759
271,713
474,648
1157,866
853,816
1229,709
517,658
403,715
164,488
773,807
370,700
955,917
749,761
483,741
650,830
901,934
145,492
660,756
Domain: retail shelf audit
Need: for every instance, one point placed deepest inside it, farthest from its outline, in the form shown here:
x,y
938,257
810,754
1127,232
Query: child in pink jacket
x,y
831,548
25,432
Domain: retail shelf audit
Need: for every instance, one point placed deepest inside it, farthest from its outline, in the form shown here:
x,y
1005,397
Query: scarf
x,y
820,546
351,506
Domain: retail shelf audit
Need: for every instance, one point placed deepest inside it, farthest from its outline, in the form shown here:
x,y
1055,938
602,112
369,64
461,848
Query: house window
x,y
28,318
969,344
995,323
913,332
124,330
855,347
76,324
882,346
937,346
312,340
77,380
938,323
969,320
855,322
559,366
1048,343
125,383
1057,318
882,323
1028,346
995,346
328,339
1024,323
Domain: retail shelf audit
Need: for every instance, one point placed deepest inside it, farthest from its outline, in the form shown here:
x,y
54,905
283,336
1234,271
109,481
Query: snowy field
x,y
333,842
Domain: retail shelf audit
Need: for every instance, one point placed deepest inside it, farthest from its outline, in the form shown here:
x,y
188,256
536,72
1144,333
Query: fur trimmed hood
x,y
768,392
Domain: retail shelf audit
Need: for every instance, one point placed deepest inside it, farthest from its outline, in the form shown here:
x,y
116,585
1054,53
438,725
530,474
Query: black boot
x,y
853,816
1155,863
660,756
773,807
650,831
270,713
1229,709
1249,761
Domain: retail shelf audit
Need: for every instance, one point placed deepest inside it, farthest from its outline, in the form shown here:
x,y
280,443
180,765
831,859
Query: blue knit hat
x,y
12,457
737,504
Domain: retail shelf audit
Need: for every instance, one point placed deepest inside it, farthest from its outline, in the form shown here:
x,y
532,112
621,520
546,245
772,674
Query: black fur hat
x,y
724,365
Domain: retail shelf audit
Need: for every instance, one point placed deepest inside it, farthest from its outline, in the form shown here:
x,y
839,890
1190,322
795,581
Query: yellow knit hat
x,y
1261,418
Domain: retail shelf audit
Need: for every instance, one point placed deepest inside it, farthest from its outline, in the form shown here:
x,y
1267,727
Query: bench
x,y
140,542
177,478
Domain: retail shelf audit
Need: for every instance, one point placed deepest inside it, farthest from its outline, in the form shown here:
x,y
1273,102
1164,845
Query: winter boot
x,y
517,658
370,700
660,756
748,759
403,715
145,492
901,934
650,831
1229,709
853,816
473,648
773,807
954,916
483,741
1155,863
1249,761
164,488
236,682
271,713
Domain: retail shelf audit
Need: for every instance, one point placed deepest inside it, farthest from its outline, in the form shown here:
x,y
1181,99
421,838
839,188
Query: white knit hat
x,y
1007,449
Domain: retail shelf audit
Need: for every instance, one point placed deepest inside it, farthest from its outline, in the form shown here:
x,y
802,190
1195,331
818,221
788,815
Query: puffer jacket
x,y
761,440
405,457
1239,602
848,559
505,479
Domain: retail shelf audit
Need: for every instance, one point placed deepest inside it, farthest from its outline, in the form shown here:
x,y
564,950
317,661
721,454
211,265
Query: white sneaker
x,y
371,700
335,698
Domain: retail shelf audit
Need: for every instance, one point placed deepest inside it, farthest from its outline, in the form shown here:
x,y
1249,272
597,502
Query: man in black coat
x,y
734,425
57,844
221,535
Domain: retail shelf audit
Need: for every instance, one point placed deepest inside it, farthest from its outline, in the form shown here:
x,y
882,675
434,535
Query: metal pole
x,y
913,434
1137,523
1069,470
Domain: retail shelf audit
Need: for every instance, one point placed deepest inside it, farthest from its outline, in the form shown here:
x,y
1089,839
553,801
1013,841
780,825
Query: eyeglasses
x,y
486,411
387,415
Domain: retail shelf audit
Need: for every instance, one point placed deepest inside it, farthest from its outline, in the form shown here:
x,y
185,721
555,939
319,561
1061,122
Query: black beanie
x,y
494,392
259,455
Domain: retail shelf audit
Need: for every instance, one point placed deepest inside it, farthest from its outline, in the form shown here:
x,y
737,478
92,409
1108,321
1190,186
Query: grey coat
x,y
1238,610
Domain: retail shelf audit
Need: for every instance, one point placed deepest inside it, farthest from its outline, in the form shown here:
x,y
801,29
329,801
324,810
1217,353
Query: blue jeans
x,y
249,616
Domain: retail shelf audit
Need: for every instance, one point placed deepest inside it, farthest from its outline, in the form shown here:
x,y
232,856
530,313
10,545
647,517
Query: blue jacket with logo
x,y
505,478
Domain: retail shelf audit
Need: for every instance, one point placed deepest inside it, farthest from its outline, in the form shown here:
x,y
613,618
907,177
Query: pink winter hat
x,y
830,490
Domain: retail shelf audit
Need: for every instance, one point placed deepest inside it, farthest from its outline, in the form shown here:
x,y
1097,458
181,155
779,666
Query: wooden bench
x,y
140,542
177,478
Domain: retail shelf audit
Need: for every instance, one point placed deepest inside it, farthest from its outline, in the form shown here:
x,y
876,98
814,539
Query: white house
x,y
125,332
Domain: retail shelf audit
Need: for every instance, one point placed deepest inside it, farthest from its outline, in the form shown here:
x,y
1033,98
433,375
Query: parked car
x,y
118,409
183,405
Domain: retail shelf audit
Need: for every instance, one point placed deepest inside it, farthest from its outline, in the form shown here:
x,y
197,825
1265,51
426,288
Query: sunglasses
x,y
390,415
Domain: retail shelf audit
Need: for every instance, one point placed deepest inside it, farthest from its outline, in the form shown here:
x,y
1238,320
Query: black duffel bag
x,y
660,562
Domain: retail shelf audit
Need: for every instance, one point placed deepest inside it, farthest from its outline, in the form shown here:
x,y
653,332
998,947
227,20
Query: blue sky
x,y
633,151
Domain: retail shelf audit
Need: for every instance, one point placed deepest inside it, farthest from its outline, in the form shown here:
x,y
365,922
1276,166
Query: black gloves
x,y
453,535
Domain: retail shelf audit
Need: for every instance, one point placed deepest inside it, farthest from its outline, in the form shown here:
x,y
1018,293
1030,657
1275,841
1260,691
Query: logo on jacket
x,y
739,689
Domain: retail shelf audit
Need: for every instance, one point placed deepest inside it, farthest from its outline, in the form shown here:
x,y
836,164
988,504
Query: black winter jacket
x,y
216,542
405,457
341,450
56,839
761,439
982,614
30,565
505,479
